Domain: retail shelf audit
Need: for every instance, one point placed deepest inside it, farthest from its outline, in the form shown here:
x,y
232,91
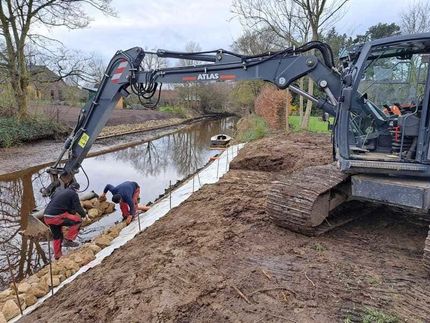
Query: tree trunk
x,y
301,101
287,109
306,117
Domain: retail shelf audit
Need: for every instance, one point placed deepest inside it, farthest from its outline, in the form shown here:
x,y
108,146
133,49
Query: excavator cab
x,y
383,117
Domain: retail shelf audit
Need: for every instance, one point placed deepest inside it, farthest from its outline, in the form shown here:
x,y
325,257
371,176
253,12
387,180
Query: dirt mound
x,y
285,153
218,258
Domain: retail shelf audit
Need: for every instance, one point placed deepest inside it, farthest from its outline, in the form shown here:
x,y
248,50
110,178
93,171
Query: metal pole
x,y
50,265
138,221
198,177
226,164
170,194
14,283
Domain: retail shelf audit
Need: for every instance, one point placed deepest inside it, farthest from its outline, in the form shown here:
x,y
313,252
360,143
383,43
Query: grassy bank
x,y
251,128
13,131
315,124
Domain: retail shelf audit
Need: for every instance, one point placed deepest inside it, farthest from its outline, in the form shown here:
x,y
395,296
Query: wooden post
x,y
217,166
14,282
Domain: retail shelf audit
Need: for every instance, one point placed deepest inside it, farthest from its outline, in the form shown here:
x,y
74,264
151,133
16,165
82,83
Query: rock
x,y
23,287
121,225
87,204
10,310
103,241
68,273
96,202
84,257
30,299
55,281
69,264
114,232
37,291
104,206
42,272
5,293
43,285
32,279
93,213
2,318
110,209
94,248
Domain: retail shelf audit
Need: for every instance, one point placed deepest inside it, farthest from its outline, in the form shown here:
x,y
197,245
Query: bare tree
x,y
190,47
18,18
294,21
152,61
416,19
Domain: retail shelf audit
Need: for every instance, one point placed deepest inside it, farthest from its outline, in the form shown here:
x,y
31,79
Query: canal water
x,y
154,165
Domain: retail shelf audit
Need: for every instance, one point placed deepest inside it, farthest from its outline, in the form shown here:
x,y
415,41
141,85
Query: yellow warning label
x,y
84,139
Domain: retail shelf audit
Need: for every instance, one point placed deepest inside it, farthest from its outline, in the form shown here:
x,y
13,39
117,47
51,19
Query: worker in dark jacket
x,y
61,211
127,195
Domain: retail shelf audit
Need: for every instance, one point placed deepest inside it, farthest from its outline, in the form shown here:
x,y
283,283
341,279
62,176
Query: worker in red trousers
x,y
127,195
64,209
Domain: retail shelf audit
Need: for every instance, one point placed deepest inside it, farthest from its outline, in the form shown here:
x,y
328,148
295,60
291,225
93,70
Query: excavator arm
x,y
124,74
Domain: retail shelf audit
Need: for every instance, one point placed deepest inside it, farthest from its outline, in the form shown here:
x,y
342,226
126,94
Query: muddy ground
x,y
219,258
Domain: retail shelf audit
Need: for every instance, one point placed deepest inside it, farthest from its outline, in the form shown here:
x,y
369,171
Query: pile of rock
x,y
96,209
39,284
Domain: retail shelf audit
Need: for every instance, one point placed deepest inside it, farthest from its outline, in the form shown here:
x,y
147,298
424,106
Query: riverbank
x,y
112,138
218,257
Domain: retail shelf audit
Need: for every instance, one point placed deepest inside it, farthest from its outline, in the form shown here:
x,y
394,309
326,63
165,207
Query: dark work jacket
x,y
66,200
126,190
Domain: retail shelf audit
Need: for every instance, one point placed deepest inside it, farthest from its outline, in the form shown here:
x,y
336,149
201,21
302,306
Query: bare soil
x,y
219,258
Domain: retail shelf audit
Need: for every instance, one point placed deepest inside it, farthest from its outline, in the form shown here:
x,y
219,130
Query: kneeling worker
x,y
127,195
61,211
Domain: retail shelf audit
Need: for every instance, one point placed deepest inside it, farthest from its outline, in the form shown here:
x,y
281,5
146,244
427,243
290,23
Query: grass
x,y
251,128
176,110
372,315
13,131
315,124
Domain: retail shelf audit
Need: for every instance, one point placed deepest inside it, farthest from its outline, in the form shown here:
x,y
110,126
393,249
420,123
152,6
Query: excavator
x,y
380,157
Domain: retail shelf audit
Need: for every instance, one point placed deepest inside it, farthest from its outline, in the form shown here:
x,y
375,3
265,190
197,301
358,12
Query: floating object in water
x,y
220,140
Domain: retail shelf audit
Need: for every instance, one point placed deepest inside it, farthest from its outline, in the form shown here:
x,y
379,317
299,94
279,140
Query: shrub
x,y
174,109
251,128
13,131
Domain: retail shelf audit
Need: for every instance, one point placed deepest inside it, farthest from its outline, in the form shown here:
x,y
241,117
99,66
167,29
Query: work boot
x,y
70,243
129,219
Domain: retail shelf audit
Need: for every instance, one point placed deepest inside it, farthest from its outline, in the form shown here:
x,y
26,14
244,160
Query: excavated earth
x,y
219,258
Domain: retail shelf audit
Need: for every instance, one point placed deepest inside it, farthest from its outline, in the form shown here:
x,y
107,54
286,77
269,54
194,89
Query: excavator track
x,y
312,201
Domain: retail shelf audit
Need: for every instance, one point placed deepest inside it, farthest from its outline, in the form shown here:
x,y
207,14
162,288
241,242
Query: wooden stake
x,y
217,167
193,182
14,282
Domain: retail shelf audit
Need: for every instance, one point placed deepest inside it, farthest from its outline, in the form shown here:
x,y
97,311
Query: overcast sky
x,y
170,24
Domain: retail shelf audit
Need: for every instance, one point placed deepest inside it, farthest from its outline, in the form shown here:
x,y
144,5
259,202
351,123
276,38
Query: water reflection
x,y
153,165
